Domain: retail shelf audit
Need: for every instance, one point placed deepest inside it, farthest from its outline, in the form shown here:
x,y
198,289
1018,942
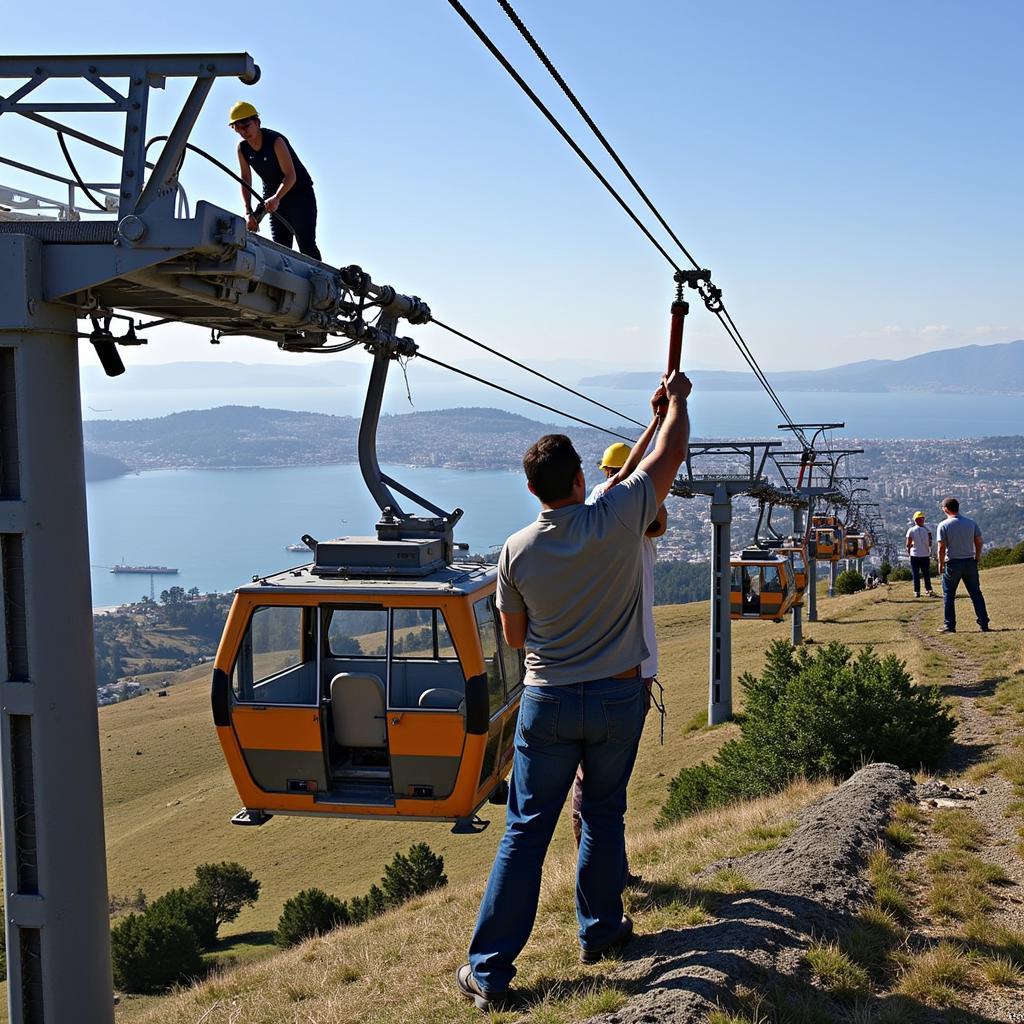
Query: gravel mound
x,y
801,889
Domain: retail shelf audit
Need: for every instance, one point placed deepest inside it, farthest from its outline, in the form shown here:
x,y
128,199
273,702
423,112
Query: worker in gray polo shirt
x,y
569,591
960,544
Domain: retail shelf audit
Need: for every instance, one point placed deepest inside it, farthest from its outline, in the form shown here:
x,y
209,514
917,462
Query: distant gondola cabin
x,y
763,585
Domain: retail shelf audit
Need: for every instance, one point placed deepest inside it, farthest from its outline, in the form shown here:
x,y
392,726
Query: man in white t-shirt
x,y
612,463
919,547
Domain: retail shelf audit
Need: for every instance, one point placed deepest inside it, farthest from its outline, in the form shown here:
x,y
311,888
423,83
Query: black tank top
x,y
265,163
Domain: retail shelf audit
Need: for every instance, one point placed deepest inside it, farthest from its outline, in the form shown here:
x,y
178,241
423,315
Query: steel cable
x,y
227,170
734,334
74,170
524,398
571,96
537,373
521,82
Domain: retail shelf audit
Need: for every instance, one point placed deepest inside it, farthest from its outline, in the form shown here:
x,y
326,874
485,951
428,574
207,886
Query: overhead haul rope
x,y
515,394
536,373
723,316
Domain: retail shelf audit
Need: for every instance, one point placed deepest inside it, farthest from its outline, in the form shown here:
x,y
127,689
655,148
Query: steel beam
x,y
720,666
58,938
798,609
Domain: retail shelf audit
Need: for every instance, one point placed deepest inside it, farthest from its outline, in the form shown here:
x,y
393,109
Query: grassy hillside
x,y
168,799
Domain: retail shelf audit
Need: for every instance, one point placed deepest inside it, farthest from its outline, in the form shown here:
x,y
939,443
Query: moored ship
x,y
146,570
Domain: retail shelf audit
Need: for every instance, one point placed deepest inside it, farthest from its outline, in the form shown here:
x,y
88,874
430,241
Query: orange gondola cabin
x,y
763,585
374,682
391,696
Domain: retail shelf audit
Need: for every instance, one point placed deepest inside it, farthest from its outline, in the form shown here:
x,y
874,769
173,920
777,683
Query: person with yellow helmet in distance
x,y
919,547
287,186
618,461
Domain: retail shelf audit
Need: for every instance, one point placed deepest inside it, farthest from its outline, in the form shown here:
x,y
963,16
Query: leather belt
x,y
630,673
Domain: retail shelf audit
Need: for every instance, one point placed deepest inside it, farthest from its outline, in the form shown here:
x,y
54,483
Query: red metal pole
x,y
675,340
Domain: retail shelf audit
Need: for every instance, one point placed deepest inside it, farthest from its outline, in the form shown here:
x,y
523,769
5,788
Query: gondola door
x,y
275,704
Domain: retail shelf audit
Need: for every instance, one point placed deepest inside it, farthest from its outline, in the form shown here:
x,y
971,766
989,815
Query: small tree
x,y
900,574
227,887
153,951
362,908
849,582
190,906
412,874
310,912
884,570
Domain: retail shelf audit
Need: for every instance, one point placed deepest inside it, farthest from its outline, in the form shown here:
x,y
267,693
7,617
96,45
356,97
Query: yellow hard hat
x,y
615,456
240,111
919,515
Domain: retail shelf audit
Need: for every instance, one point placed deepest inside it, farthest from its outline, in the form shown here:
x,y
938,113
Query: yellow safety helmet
x,y
919,515
615,456
240,111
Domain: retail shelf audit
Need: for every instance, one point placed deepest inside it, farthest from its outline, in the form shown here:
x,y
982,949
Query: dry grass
x,y
399,967
836,972
937,977
363,974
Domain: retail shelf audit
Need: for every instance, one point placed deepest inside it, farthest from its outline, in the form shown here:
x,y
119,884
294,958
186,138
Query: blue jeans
x,y
921,564
965,569
596,724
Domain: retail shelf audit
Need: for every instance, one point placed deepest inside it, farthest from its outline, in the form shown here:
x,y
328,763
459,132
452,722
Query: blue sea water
x,y
716,414
221,527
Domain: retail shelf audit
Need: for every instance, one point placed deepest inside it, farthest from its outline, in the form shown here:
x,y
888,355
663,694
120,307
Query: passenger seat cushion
x,y
357,709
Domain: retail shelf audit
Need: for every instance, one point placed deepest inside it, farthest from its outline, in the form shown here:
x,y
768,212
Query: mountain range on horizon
x,y
970,369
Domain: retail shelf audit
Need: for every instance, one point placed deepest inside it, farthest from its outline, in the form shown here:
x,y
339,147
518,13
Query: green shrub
x,y
849,582
885,570
153,951
412,874
226,887
821,714
192,908
995,557
362,908
900,573
310,912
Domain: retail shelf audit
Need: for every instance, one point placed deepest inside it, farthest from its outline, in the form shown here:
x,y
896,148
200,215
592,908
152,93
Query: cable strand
x,y
571,96
74,171
521,82
537,373
524,398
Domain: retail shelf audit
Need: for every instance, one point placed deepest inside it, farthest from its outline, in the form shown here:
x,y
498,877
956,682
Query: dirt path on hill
x,y
809,886
981,734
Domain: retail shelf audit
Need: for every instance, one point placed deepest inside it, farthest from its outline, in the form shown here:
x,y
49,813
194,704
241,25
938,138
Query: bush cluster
x,y
901,572
164,944
849,582
314,912
817,715
995,557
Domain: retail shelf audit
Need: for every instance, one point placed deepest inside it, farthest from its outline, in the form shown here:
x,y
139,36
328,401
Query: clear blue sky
x,y
850,172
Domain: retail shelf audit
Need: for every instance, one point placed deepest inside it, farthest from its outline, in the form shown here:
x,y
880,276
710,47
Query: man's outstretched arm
x,y
663,463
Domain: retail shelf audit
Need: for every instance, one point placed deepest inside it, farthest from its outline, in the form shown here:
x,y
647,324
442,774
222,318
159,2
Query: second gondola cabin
x,y
763,585
373,692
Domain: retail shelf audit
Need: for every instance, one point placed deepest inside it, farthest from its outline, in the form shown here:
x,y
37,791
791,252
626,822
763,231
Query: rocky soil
x,y
801,889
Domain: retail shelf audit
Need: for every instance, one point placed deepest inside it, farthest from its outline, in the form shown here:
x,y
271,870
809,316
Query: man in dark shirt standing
x,y
287,187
